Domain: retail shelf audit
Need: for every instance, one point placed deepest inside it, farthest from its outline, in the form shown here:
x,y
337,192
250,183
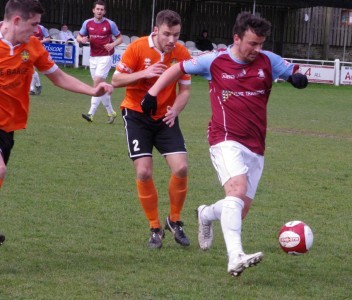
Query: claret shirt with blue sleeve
x,y
100,33
239,94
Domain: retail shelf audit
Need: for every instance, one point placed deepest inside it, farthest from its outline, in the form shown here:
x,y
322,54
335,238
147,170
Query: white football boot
x,y
205,230
238,263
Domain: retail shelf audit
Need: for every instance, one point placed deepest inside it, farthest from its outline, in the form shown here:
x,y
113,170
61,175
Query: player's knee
x,y
2,171
181,170
144,174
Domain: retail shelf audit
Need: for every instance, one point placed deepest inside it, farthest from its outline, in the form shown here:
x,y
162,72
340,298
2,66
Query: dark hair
x,y
168,17
99,2
246,20
25,8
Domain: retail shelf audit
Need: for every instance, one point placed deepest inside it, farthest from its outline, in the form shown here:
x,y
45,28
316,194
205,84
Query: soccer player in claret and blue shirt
x,y
240,80
99,32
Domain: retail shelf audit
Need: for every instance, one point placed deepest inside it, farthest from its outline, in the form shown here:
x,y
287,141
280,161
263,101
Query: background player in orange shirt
x,y
156,125
20,51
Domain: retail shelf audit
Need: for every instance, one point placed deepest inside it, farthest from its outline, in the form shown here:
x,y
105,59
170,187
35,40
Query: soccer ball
x,y
295,237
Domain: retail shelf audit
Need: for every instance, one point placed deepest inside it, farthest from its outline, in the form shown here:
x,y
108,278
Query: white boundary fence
x,y
325,71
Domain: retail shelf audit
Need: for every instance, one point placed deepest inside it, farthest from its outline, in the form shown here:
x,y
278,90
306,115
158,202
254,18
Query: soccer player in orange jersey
x,y
141,64
20,52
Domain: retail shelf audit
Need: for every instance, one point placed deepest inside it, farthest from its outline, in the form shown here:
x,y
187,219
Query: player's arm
x,y
118,41
46,36
149,102
72,84
124,79
45,40
115,43
298,80
286,71
82,39
179,104
170,75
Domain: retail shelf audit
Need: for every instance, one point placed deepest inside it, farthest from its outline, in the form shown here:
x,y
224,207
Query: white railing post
x,y
76,64
337,72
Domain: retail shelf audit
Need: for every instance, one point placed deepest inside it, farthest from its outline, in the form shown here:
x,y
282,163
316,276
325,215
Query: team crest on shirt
x,y
225,94
147,62
261,73
25,55
173,61
104,29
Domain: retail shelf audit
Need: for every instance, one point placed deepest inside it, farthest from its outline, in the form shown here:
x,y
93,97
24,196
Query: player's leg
x,y
102,72
38,85
32,89
6,144
234,166
2,168
170,143
2,176
95,101
140,145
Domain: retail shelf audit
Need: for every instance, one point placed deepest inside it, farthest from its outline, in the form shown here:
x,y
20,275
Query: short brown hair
x,y
99,2
168,17
246,20
25,8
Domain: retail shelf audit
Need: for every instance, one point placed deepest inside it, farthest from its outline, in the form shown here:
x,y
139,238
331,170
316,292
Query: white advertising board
x,y
346,75
317,73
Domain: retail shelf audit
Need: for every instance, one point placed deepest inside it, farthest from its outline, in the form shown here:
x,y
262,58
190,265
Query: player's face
x,y
99,11
24,29
166,37
247,48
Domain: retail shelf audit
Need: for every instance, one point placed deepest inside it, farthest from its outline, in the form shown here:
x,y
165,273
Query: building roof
x,y
291,3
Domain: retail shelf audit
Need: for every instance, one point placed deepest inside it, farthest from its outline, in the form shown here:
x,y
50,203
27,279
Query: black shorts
x,y
6,144
143,133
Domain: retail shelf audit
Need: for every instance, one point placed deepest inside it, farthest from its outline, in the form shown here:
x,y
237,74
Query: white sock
x,y
107,103
231,224
213,212
94,105
36,79
33,82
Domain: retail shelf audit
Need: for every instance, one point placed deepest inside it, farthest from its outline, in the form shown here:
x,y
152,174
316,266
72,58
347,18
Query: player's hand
x,y
170,116
298,80
85,40
102,88
149,104
109,47
155,70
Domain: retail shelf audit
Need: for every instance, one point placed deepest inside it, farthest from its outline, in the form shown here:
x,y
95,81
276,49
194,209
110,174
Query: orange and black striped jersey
x,y
16,70
140,55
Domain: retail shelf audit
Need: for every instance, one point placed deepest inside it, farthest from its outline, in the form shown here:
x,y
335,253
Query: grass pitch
x,y
75,229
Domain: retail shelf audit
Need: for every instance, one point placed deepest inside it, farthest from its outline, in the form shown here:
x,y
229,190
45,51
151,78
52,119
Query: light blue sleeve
x,y
280,67
114,29
200,65
83,31
45,31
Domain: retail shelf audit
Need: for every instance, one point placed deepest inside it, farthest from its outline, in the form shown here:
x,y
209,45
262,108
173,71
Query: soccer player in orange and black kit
x,y
20,52
141,64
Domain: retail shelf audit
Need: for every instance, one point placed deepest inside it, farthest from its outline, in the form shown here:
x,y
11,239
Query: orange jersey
x,y
16,70
140,55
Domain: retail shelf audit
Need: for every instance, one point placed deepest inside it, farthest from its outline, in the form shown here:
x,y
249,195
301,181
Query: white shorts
x,y
100,66
231,159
